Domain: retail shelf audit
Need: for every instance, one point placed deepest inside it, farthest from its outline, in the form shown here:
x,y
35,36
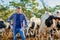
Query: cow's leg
x,y
50,38
27,29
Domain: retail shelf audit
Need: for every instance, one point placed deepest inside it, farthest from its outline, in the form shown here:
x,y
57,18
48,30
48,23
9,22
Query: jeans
x,y
15,31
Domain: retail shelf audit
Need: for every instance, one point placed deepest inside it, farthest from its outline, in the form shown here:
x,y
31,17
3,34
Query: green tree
x,y
29,7
5,12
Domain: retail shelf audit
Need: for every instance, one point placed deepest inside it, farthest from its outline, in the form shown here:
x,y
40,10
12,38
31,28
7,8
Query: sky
x,y
51,3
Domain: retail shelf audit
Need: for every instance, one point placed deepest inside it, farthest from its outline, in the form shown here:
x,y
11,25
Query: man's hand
x,y
26,26
11,23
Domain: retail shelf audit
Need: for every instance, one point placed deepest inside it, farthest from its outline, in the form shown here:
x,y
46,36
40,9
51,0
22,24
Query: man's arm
x,y
10,18
25,19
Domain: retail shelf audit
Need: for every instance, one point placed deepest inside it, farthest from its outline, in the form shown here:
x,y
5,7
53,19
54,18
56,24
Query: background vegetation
x,y
29,7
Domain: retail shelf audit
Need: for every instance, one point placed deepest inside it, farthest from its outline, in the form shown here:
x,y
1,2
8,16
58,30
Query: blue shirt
x,y
17,20
18,25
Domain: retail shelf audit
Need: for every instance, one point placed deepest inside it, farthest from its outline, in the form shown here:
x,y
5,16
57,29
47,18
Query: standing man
x,y
19,22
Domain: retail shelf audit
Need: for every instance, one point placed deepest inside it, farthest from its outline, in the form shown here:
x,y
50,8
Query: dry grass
x,y
8,35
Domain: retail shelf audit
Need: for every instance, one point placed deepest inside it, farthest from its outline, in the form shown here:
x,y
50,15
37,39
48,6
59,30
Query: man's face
x,y
19,10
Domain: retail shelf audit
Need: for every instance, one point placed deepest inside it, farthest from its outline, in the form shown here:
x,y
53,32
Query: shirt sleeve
x,y
25,19
10,18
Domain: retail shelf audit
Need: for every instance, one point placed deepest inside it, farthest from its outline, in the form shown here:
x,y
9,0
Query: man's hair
x,y
18,7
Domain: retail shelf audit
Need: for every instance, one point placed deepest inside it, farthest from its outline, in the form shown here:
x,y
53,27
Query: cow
x,y
7,33
47,24
57,14
57,29
2,26
34,25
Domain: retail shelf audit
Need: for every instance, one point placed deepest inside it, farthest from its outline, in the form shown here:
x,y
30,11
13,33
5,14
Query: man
x,y
18,23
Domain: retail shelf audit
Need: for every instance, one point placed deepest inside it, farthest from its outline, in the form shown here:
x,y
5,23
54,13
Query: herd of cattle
x,y
45,28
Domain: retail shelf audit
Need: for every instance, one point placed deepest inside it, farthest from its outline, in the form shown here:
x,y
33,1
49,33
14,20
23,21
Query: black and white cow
x,y
34,24
57,14
47,22
2,25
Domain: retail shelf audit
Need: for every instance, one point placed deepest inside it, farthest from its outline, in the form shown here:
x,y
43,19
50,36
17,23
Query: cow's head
x,y
57,13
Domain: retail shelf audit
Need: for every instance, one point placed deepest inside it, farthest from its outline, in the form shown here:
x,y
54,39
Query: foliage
x,y
29,7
